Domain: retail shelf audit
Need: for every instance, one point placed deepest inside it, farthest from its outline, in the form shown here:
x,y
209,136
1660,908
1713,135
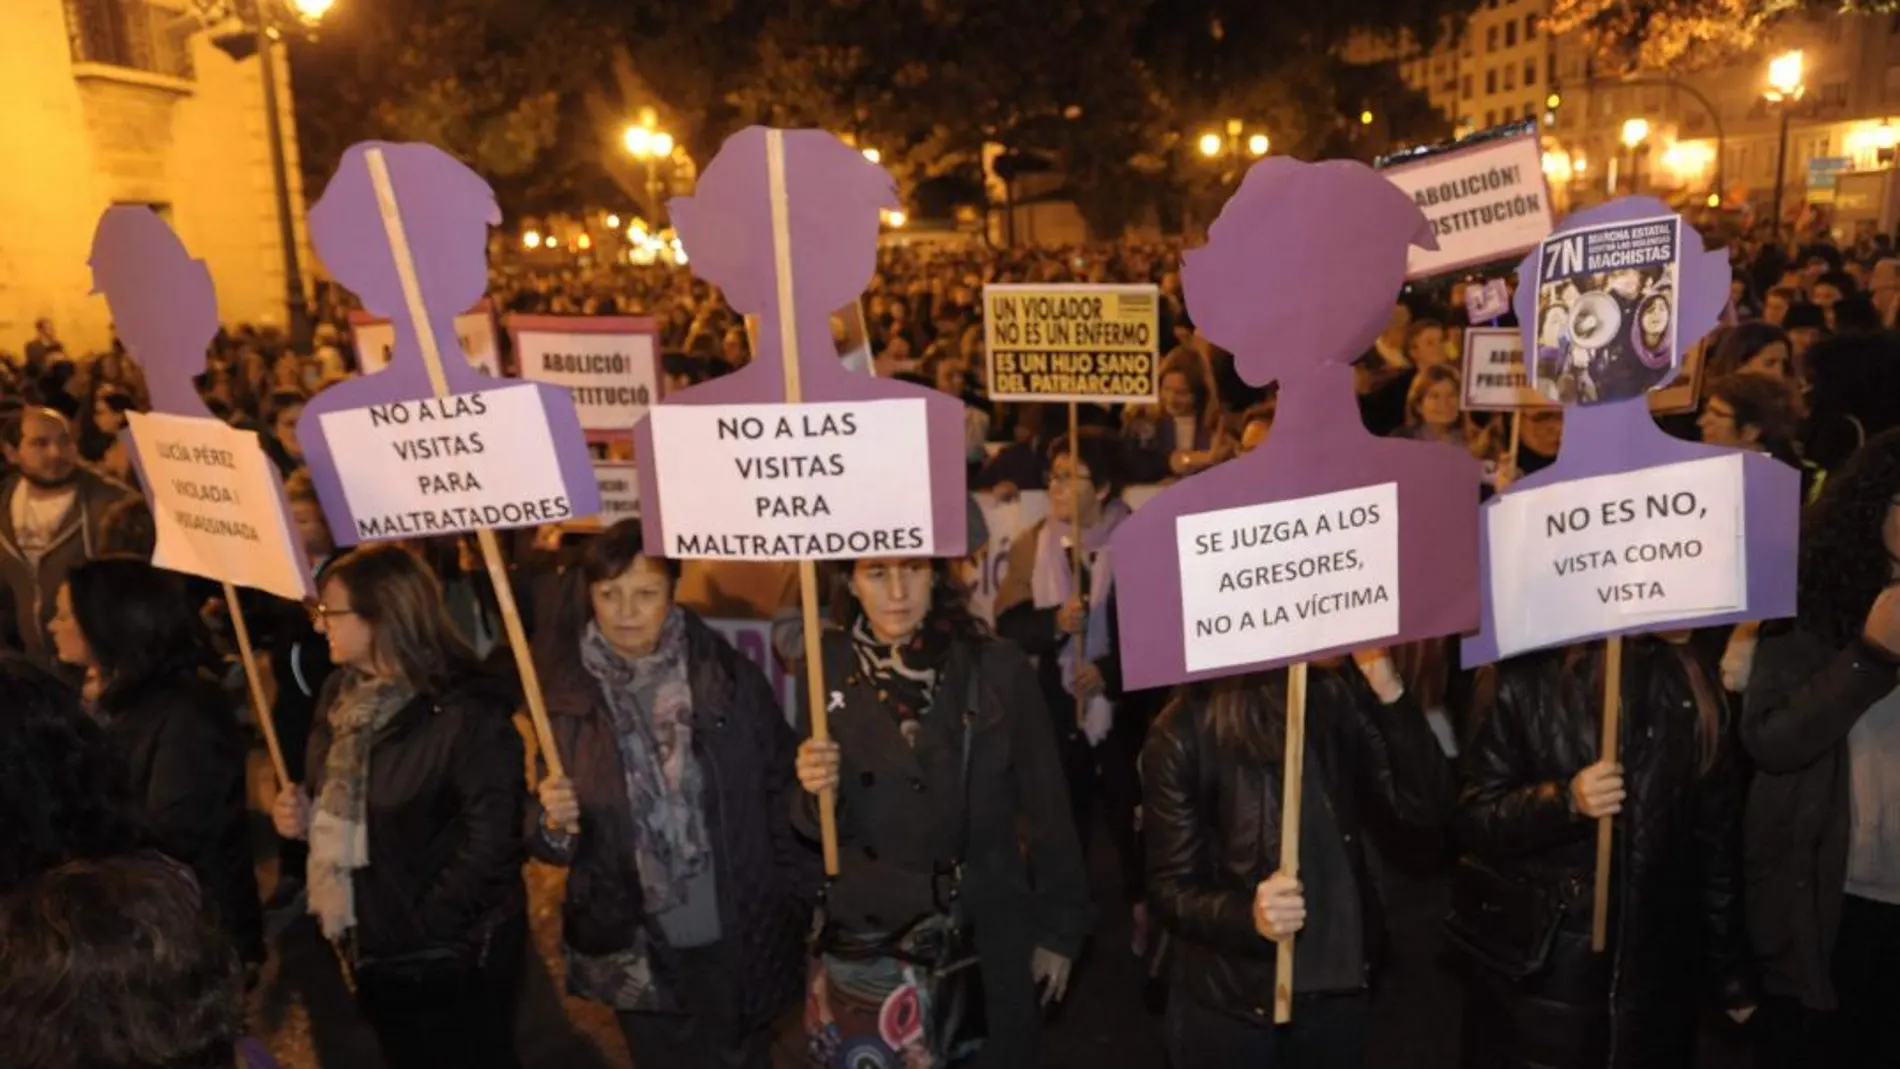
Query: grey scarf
x,y
339,825
651,701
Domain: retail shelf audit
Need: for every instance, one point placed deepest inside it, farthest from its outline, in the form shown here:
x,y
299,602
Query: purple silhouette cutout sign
x,y
1633,530
390,458
1324,539
796,456
217,503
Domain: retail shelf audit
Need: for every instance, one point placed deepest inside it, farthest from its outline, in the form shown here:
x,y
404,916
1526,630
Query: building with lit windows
x,y
129,102
1709,132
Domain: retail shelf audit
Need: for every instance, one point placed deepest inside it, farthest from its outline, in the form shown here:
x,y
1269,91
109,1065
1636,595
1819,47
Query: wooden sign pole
x,y
1606,751
491,548
807,570
1510,451
1076,553
258,703
1293,771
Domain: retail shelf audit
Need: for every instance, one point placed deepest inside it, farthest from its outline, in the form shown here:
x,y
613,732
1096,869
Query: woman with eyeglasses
x,y
944,760
413,807
147,657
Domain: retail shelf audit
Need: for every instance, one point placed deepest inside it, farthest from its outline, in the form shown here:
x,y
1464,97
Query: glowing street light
x,y
1365,117
311,11
873,155
638,141
1258,144
584,242
613,221
1784,76
531,239
1211,145
895,218
1785,86
1635,132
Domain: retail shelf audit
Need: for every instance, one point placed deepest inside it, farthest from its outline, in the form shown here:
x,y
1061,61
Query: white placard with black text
x,y
1603,555
1271,581
823,481
215,504
449,464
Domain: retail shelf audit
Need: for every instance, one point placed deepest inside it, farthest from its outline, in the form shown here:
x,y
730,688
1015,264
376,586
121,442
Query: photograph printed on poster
x,y
1606,311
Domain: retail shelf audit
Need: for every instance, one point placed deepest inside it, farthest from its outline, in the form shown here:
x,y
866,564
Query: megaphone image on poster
x,y
1606,310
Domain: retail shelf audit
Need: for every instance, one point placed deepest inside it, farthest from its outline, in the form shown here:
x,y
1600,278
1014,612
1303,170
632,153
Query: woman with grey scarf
x,y
687,895
413,806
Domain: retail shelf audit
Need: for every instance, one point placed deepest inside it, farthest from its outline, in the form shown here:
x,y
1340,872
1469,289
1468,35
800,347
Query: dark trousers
x,y
464,1017
710,1034
1327,1032
1864,1033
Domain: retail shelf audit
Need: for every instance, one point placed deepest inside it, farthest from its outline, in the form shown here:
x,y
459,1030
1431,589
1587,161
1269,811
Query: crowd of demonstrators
x,y
972,762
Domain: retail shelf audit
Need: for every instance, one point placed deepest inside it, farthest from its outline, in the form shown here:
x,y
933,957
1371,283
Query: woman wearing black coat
x,y
131,626
415,831
1823,831
1212,799
1532,786
908,673
688,897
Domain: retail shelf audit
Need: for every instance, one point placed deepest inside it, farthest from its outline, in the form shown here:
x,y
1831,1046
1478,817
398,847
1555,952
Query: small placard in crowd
x,y
1072,343
375,338
1486,202
1488,300
611,364
1494,377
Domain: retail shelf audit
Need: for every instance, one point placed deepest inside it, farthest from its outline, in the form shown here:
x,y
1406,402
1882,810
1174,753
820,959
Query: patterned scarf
x,y
339,828
904,675
651,701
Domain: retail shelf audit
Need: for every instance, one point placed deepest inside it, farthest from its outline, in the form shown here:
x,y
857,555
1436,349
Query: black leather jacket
x,y
1676,933
1212,820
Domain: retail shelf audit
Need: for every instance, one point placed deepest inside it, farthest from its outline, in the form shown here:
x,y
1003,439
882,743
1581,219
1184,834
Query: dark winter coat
x,y
186,759
1675,940
900,809
1803,698
766,879
1212,820
34,589
446,798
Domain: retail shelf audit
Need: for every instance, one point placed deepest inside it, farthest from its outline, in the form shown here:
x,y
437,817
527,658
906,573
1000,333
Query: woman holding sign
x,y
1211,770
1823,725
950,794
415,830
688,898
1533,789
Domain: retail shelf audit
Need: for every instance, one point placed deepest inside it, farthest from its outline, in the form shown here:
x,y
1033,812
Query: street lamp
x,y
1257,145
1211,145
651,146
1784,88
256,26
1635,132
872,155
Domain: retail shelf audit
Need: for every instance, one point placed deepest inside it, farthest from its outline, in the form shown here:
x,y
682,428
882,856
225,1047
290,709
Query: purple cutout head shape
x,y
833,201
1298,277
446,210
1617,437
165,309
1322,284
163,305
